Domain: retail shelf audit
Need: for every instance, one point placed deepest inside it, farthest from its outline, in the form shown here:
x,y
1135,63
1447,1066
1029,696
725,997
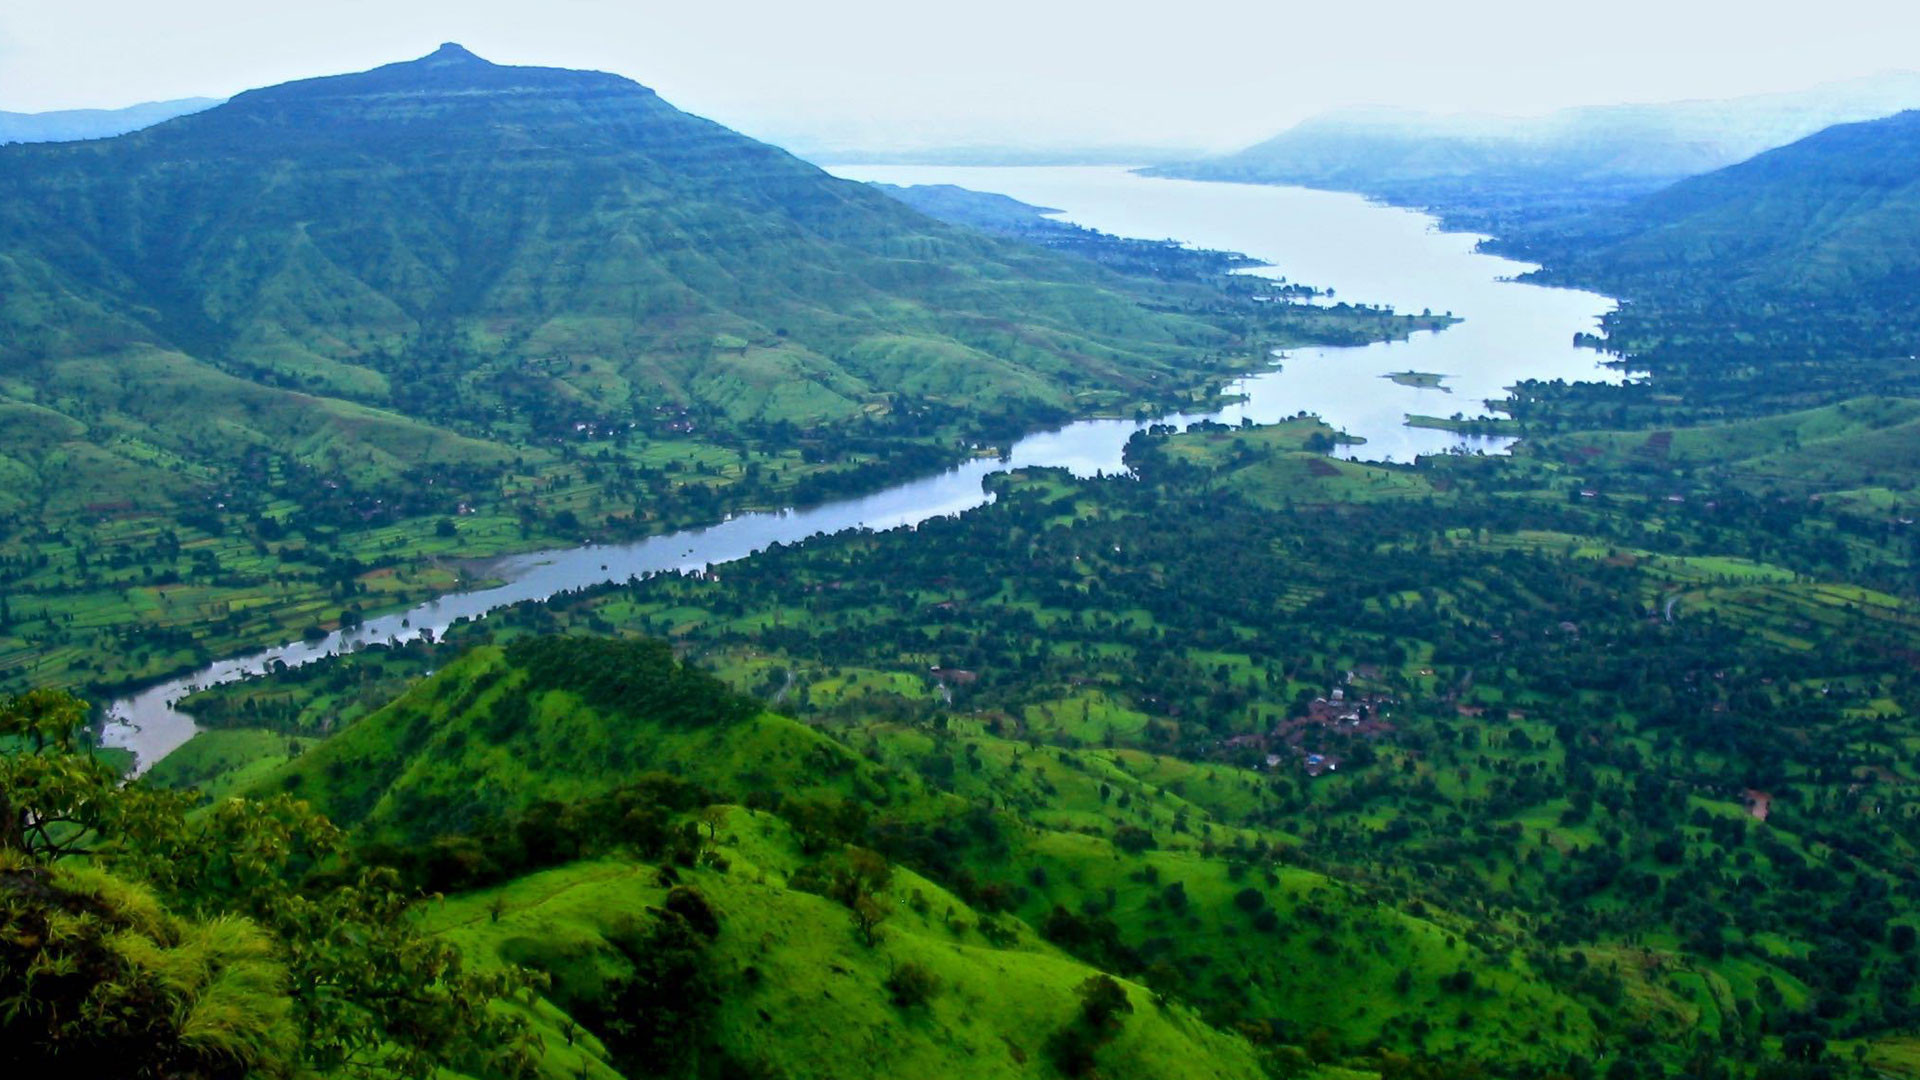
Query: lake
x,y
1366,253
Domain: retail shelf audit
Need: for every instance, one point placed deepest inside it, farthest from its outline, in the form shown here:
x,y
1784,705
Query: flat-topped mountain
x,y
445,256
301,349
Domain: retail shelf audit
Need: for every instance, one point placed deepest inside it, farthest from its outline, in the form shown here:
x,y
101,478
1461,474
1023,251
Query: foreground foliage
x,y
140,941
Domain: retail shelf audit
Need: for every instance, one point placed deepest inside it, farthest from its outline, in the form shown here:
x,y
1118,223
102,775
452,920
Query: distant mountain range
x,y
837,154
1476,166
67,125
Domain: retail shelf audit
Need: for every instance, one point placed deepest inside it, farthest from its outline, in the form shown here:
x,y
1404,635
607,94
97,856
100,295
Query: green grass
x,y
1865,443
816,1004
221,763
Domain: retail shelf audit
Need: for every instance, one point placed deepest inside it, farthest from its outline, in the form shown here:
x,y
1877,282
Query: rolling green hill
x,y
1829,451
1161,886
1640,800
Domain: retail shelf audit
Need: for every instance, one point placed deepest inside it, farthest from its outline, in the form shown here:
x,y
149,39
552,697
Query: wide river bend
x,y
1366,253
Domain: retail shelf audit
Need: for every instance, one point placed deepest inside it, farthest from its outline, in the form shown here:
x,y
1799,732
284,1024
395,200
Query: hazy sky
x,y
1205,73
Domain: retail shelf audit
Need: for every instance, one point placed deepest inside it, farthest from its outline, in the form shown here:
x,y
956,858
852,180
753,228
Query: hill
x,y
1778,284
1617,727
1490,172
266,366
1829,219
1125,862
425,238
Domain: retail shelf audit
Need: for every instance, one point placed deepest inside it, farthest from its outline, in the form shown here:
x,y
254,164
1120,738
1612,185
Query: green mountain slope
x,y
1644,774
1834,217
264,366
501,730
801,994
1781,284
412,237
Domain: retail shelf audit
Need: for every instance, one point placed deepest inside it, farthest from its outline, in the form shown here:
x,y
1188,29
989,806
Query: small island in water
x,y
1424,380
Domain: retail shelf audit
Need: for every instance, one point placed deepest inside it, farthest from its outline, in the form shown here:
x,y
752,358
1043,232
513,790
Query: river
x,y
1365,252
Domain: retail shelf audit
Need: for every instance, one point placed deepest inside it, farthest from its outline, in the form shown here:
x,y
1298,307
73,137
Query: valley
x,y
1508,332
504,579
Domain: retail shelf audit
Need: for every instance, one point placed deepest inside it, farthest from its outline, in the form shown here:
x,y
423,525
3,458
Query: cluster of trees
x,y
137,940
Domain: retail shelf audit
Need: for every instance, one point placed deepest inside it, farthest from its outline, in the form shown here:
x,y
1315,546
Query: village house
x,y
1361,715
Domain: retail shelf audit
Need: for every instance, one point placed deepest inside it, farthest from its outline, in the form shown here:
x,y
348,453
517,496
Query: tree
x,y
658,1014
240,941
1104,1003
868,913
1902,937
912,984
1104,1006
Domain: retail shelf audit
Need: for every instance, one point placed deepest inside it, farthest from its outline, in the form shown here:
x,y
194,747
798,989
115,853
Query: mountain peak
x,y
452,52
446,78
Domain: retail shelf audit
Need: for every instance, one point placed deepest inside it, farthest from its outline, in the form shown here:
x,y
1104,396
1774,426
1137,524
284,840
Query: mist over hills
x,y
1542,165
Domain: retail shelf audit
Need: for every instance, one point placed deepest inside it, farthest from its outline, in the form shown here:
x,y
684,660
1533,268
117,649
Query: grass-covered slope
x,y
1865,443
800,993
1643,793
504,728
521,757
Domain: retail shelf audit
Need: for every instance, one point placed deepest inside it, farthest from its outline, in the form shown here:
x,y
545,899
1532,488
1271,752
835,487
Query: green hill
x,y
1780,284
1642,775
453,779
266,366
413,237
1863,443
1831,218
800,993
503,729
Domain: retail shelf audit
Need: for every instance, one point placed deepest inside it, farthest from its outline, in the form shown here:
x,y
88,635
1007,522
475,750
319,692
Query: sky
x,y
1204,74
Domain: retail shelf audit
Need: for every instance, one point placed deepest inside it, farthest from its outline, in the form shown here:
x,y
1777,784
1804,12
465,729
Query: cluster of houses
x,y
1360,714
